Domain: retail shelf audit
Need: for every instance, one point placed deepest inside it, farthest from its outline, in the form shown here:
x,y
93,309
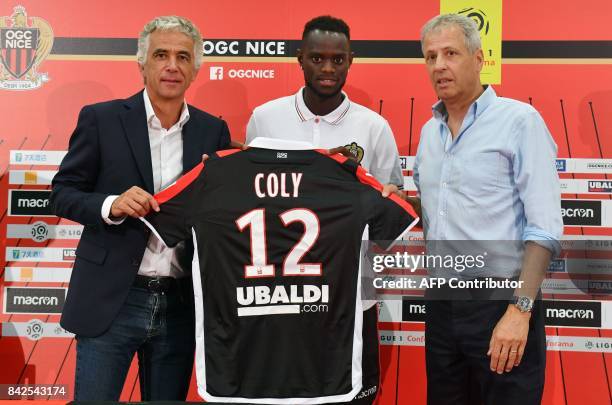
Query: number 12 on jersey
x,y
259,267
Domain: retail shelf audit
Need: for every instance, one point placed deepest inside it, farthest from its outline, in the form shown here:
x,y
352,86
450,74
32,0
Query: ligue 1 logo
x,y
25,42
479,17
35,329
39,231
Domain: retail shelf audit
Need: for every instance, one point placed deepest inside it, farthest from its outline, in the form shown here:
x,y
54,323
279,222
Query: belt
x,y
162,285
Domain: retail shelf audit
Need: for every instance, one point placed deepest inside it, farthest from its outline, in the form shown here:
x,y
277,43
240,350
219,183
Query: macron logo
x,y
216,73
577,212
570,313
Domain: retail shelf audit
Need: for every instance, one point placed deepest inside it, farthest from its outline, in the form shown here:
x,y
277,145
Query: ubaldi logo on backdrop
x,y
25,42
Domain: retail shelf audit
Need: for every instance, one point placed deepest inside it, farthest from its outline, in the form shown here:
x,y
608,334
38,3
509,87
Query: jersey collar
x,y
282,144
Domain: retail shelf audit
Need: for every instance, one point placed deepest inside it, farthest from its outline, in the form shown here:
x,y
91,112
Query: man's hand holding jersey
x,y
134,202
389,189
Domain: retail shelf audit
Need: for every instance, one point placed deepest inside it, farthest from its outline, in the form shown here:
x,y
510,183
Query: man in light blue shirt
x,y
485,170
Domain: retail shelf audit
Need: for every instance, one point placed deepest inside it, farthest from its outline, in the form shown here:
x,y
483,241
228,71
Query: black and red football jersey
x,y
277,236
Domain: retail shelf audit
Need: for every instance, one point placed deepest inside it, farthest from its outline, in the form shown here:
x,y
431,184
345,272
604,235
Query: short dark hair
x,y
327,23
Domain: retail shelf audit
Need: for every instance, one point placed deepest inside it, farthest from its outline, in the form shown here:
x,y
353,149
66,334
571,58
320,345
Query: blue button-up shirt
x,y
496,180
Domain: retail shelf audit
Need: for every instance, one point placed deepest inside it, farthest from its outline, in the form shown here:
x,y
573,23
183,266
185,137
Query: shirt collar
x,y
487,98
333,118
151,113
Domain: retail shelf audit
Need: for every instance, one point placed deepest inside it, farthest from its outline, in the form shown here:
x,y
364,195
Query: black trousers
x,y
457,336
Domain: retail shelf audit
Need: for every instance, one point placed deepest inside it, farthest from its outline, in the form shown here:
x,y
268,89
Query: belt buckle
x,y
154,285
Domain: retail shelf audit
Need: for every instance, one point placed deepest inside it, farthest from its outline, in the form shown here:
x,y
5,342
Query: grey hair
x,y
170,23
466,24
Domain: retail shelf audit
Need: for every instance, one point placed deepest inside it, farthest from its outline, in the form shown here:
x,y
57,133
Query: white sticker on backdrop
x,y
37,157
34,177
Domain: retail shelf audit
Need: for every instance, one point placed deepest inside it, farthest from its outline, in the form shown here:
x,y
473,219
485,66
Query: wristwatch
x,y
522,303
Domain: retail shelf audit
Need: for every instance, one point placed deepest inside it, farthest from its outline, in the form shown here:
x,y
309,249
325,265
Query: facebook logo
x,y
216,73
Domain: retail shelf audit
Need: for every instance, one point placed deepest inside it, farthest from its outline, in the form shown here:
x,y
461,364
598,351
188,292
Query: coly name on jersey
x,y
275,185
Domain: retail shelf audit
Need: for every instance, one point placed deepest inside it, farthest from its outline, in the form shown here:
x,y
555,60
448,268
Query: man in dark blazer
x,y
128,292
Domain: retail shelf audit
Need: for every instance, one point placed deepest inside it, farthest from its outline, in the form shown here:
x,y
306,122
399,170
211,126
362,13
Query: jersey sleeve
x,y
390,218
171,224
393,218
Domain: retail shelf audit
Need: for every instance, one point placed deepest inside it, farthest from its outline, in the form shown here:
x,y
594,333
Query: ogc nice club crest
x,y
25,42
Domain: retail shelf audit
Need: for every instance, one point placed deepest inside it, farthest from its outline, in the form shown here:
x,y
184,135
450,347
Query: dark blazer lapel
x,y
134,120
192,139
